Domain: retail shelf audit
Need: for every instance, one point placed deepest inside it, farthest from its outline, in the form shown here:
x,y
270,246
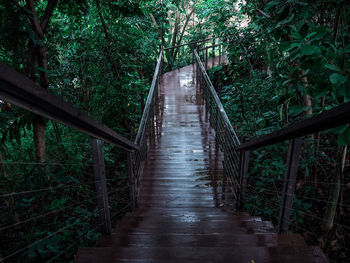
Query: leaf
x,y
57,203
271,4
309,50
336,78
297,109
28,200
296,35
280,11
310,35
287,46
284,45
344,90
287,20
332,67
320,33
43,69
344,137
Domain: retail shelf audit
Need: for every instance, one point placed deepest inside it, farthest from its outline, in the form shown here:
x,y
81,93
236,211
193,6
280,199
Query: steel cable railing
x,y
115,195
145,128
225,134
38,198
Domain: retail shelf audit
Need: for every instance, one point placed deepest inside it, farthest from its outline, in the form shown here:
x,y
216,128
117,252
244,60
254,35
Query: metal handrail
x,y
187,44
145,127
150,98
328,119
23,92
217,100
225,134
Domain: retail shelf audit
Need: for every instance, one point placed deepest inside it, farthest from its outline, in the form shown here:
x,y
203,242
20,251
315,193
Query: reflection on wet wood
x,y
185,209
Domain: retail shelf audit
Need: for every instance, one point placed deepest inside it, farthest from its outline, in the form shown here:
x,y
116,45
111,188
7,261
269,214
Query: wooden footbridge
x,y
184,201
187,174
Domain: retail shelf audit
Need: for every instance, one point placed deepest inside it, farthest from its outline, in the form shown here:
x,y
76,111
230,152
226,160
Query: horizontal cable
x,y
317,235
56,187
316,217
52,164
48,213
37,242
301,197
307,182
304,197
75,243
311,215
297,226
44,189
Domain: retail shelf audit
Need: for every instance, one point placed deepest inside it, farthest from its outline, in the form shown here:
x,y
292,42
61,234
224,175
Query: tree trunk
x,y
332,204
175,31
115,68
115,64
188,17
39,138
159,31
3,169
39,52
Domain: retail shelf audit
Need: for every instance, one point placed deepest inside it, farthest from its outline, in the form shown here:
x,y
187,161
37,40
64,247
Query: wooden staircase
x,y
172,235
185,209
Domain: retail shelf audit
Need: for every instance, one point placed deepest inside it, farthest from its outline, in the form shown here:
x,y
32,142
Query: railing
x,y
225,134
183,55
112,196
284,194
146,124
217,50
295,132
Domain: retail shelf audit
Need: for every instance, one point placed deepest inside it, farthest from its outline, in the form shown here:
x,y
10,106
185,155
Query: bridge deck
x,y
184,202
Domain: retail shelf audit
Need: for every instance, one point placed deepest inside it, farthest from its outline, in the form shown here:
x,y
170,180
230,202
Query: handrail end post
x,y
289,183
101,186
130,161
243,177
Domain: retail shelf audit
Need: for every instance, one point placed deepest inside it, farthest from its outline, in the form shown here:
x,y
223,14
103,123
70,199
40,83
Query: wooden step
x,y
201,227
239,254
195,211
189,218
200,240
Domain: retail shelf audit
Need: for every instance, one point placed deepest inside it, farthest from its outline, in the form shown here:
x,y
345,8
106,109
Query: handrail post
x,y
193,54
206,58
213,50
289,184
243,177
130,160
101,186
142,104
197,67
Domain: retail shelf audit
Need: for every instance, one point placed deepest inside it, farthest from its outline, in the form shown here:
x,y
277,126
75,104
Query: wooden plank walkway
x,y
184,213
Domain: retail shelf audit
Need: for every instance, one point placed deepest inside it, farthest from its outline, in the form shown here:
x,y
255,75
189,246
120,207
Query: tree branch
x,y
183,30
263,13
157,27
47,14
34,19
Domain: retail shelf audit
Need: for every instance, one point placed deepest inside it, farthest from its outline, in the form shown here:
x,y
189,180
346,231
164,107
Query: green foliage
x,y
281,52
58,197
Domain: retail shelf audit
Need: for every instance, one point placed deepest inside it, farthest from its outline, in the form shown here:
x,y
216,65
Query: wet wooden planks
x,y
185,203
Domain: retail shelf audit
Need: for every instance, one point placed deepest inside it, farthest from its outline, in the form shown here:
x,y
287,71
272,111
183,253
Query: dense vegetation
x,y
287,60
290,60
